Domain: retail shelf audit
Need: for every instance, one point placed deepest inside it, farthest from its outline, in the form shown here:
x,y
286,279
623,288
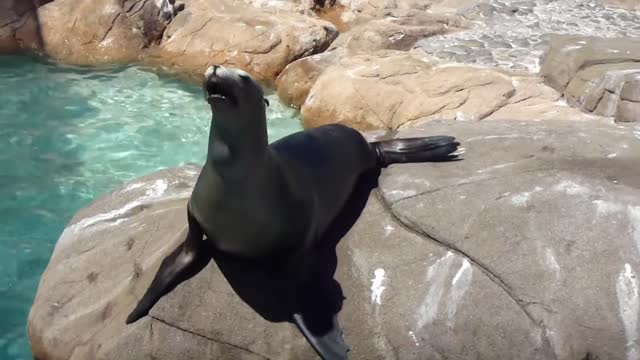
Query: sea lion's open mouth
x,y
216,89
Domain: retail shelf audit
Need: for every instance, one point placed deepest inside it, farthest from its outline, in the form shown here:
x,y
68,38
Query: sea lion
x,y
272,203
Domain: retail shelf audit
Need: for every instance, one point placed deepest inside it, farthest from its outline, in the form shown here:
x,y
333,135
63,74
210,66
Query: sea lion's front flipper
x,y
329,344
188,259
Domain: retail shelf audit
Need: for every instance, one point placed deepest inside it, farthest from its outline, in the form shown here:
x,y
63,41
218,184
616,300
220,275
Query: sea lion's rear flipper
x,y
329,344
188,259
420,149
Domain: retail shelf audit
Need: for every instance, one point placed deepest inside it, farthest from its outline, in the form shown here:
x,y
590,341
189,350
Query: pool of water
x,y
69,134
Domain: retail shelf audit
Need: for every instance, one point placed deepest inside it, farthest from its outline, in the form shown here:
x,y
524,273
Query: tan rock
x,y
533,100
296,79
233,33
88,32
567,54
597,75
621,4
394,89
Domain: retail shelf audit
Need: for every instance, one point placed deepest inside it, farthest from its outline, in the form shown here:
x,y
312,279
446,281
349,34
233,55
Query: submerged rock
x,y
525,249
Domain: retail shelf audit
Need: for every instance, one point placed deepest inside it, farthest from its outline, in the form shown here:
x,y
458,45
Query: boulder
x,y
87,32
592,73
390,33
183,37
233,33
621,4
390,90
528,249
17,20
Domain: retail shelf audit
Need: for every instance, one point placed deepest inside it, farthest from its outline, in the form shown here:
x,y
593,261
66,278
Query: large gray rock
x,y
597,75
529,248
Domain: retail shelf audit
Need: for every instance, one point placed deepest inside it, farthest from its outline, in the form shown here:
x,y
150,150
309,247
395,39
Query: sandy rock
x,y
533,100
395,89
621,4
566,55
260,41
439,263
295,81
88,32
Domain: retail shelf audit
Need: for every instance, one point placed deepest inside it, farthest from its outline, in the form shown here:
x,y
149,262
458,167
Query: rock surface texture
x,y
598,75
528,248
397,89
324,52
185,37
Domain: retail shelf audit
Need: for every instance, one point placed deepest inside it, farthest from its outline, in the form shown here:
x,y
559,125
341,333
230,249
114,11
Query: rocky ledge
x,y
371,65
529,248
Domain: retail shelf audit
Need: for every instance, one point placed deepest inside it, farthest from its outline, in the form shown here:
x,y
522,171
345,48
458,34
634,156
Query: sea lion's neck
x,y
236,151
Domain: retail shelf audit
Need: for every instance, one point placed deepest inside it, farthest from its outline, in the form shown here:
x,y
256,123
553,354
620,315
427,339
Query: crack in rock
x,y
209,338
491,275
113,23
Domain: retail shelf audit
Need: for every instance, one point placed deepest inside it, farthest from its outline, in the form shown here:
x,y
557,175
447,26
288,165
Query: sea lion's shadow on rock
x,y
271,295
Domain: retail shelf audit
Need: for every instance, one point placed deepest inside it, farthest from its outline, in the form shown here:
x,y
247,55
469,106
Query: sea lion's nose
x,y
211,70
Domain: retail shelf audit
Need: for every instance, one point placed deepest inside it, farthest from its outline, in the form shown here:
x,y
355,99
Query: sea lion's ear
x,y
266,101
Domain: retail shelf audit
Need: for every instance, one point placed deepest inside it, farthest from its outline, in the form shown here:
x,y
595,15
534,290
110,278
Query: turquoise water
x,y
69,134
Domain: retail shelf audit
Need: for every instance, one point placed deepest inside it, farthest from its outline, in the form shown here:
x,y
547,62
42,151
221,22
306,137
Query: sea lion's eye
x,y
266,101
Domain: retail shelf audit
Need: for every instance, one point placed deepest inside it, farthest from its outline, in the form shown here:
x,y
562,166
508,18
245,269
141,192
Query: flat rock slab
x,y
529,248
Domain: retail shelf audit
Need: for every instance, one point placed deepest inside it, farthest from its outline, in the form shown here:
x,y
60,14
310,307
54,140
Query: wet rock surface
x,y
514,33
442,256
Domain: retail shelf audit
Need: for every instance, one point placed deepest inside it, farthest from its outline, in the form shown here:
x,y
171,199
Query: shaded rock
x,y
18,24
441,257
225,32
395,89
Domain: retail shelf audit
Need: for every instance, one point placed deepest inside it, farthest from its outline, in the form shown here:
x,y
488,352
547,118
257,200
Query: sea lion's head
x,y
233,94
239,124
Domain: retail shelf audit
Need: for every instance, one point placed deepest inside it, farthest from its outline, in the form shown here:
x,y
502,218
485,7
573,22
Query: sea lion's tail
x,y
423,149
